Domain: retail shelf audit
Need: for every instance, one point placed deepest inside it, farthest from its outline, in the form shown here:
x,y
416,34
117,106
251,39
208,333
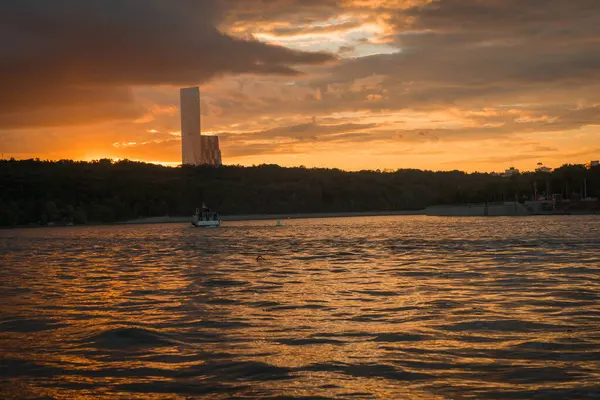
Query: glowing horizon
x,y
353,85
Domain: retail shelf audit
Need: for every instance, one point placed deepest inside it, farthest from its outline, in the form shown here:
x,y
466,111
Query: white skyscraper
x,y
195,148
191,145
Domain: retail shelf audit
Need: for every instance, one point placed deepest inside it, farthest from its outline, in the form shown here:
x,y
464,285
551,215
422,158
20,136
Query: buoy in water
x,y
278,223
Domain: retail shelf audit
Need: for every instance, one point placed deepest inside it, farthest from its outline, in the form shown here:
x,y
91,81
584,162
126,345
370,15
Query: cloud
x,y
472,44
464,76
59,57
541,57
315,29
51,104
246,15
301,132
281,140
346,49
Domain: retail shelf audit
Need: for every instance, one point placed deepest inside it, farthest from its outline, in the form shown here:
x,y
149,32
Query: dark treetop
x,y
39,192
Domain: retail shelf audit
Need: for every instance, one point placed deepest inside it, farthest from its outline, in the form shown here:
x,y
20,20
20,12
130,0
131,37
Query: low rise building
x,y
593,164
510,172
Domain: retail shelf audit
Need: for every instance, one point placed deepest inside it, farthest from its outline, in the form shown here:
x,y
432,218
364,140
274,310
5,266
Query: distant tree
x,y
9,213
79,217
101,213
51,211
34,191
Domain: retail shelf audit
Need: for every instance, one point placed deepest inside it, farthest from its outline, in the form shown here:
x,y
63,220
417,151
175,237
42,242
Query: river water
x,y
406,307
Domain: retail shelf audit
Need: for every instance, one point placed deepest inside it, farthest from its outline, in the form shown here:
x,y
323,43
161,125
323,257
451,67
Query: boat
x,y
206,218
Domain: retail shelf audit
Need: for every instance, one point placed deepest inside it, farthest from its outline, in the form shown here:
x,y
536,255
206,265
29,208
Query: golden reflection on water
x,y
412,307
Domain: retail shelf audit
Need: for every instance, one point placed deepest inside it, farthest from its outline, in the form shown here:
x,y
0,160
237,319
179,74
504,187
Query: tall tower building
x,y
191,144
195,148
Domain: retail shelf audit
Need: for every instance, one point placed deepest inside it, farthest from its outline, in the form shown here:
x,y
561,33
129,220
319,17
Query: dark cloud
x,y
281,140
497,68
504,124
300,132
461,48
66,53
52,104
293,12
346,49
542,56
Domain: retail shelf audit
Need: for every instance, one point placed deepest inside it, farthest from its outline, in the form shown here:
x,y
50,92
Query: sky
x,y
474,85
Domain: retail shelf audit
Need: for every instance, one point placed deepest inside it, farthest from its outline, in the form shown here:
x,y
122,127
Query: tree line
x,y
102,191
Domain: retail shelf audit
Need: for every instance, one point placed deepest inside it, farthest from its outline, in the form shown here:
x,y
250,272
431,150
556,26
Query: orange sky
x,y
445,84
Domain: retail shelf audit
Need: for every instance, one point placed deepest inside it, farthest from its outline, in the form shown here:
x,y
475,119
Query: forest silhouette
x,y
64,192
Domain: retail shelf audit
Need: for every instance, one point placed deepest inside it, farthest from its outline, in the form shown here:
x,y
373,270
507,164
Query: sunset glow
x,y
347,84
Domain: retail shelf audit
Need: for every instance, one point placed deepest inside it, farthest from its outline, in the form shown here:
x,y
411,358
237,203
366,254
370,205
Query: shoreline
x,y
268,217
225,218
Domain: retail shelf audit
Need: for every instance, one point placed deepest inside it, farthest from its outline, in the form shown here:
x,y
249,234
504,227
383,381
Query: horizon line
x,y
175,164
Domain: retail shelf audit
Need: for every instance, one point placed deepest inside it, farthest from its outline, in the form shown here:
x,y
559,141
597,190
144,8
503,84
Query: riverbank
x,y
506,209
260,217
448,211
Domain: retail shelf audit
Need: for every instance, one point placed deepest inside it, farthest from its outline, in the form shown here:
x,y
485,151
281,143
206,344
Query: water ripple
x,y
385,307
